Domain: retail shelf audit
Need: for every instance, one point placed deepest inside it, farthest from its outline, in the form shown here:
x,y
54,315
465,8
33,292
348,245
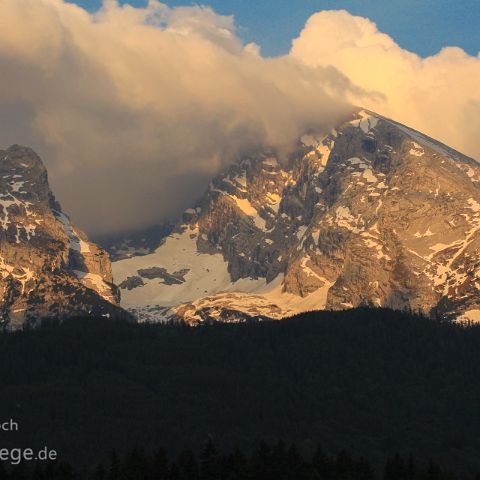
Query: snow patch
x,y
366,123
472,315
95,282
75,242
345,219
417,150
369,176
272,162
248,209
428,233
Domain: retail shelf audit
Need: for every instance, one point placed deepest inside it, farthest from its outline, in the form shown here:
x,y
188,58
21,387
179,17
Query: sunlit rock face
x,y
373,213
48,267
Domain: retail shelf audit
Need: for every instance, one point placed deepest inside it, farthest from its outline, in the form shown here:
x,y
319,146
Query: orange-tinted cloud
x,y
134,109
438,95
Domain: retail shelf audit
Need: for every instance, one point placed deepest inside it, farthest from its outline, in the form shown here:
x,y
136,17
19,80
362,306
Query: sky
x,y
134,108
421,26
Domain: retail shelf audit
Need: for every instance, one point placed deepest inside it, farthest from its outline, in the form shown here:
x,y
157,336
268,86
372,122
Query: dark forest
x,y
374,383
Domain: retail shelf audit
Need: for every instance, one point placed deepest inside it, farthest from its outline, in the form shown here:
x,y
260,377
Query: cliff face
x,y
372,213
48,268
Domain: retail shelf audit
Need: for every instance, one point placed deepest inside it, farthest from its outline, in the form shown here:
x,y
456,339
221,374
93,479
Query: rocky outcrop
x,y
48,267
373,213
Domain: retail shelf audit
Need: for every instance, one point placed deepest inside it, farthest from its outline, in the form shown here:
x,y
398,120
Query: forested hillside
x,y
278,462
372,382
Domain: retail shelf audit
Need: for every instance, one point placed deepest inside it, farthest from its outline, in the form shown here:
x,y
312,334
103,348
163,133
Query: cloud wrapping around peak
x,y
135,109
438,95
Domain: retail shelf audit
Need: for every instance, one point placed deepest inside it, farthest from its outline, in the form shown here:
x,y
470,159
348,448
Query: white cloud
x,y
134,109
438,95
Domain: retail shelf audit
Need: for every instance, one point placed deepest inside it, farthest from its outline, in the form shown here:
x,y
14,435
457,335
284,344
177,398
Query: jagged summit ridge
x,y
373,213
48,267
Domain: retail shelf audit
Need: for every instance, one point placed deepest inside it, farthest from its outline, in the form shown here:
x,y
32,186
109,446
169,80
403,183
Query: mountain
x,y
373,213
128,244
48,267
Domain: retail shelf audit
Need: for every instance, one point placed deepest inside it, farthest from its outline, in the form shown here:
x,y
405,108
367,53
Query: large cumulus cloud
x,y
134,109
438,95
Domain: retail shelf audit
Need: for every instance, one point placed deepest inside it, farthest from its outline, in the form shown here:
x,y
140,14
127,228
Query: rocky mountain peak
x,y
372,212
48,267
